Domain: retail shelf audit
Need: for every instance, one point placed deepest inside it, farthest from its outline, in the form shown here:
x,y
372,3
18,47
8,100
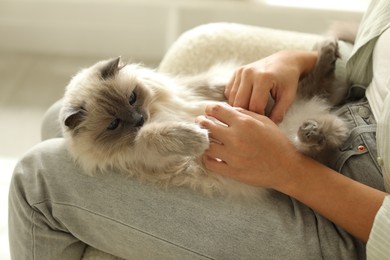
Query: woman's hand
x,y
276,75
250,149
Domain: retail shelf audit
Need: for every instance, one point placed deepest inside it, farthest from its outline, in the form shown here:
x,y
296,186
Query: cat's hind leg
x,y
321,81
325,132
328,52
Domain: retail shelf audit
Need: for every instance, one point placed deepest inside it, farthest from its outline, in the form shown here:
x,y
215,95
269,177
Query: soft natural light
x,y
345,5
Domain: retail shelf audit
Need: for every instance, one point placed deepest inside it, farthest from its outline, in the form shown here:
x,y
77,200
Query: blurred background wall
x,y
144,29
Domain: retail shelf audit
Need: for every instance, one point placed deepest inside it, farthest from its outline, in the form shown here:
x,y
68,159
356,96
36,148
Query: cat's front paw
x,y
310,135
193,140
171,138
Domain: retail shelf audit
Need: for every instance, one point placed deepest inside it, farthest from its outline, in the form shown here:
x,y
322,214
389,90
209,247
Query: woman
x,y
294,174
56,210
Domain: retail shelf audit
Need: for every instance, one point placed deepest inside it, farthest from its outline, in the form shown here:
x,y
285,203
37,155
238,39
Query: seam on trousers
x,y
134,228
33,234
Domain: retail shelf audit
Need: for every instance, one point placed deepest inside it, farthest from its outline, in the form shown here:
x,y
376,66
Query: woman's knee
x,y
41,163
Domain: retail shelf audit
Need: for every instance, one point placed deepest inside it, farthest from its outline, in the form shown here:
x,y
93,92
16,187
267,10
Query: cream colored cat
x,y
134,120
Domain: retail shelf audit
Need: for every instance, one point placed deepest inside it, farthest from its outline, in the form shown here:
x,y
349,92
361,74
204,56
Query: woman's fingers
x,y
222,112
232,87
244,89
283,102
250,88
217,130
260,95
215,165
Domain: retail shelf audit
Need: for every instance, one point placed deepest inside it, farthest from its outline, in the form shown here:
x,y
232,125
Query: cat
x,y
134,120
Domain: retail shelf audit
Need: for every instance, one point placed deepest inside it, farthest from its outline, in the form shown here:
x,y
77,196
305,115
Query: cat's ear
x,y
73,117
110,68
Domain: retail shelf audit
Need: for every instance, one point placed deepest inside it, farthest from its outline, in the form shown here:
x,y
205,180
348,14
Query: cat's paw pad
x,y
310,134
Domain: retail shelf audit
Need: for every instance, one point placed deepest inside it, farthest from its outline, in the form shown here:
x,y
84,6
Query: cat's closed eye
x,y
114,124
133,98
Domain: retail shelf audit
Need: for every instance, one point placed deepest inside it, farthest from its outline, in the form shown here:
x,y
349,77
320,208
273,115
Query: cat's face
x,y
105,106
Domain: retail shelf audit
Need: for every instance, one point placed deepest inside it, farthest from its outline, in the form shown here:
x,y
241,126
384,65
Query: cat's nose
x,y
140,121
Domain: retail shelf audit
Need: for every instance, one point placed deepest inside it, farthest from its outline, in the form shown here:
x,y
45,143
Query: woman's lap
x,y
126,218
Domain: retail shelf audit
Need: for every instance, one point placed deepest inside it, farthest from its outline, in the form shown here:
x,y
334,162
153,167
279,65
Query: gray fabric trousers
x,y
56,210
